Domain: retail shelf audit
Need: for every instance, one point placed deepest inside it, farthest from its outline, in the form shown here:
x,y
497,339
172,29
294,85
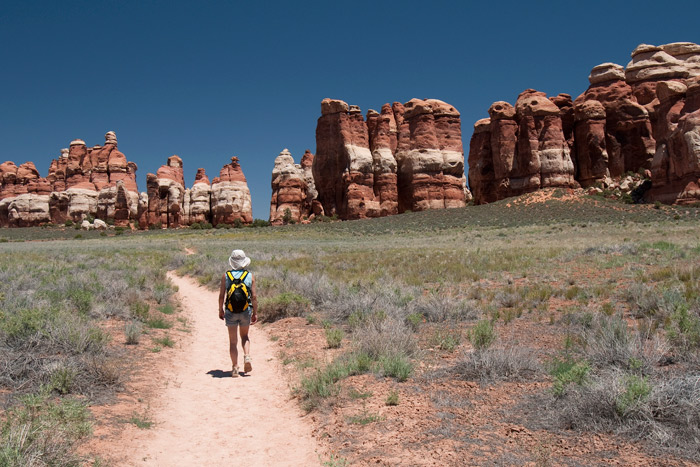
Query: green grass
x,y
158,322
364,418
165,341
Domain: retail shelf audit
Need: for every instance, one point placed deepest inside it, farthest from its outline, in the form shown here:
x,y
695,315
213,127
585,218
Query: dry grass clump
x,y
513,363
665,411
610,342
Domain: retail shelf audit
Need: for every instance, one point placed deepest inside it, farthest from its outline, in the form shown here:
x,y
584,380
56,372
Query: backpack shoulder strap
x,y
243,276
230,276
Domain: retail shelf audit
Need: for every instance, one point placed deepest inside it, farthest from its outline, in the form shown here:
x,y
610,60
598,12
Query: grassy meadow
x,y
595,304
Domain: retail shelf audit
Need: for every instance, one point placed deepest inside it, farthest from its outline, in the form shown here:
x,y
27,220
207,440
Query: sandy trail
x,y
205,417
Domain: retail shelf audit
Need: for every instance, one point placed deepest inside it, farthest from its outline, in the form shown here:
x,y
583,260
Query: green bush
x,y
396,366
446,338
566,371
637,390
334,336
260,223
392,398
482,335
158,323
237,224
139,310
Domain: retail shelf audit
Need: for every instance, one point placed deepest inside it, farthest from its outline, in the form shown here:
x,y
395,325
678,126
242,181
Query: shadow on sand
x,y
224,374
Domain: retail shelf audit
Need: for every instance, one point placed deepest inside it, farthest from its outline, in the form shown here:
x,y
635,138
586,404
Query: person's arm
x,y
254,296
222,294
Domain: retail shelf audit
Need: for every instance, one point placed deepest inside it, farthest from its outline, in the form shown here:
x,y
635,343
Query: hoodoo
x,y
644,118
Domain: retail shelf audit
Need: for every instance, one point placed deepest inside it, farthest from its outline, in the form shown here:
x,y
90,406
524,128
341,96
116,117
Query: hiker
x,y
238,306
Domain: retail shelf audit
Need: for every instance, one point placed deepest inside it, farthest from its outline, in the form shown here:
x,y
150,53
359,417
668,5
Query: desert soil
x,y
203,416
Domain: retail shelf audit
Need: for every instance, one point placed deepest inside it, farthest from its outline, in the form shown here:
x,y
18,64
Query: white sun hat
x,y
238,260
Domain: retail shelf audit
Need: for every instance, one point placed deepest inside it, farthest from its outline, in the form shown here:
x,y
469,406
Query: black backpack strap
x,y
243,276
230,276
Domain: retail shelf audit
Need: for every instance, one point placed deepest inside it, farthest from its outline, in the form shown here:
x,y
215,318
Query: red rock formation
x,y
198,199
80,182
166,193
481,169
528,148
289,191
230,196
431,163
343,166
403,158
634,119
676,165
383,142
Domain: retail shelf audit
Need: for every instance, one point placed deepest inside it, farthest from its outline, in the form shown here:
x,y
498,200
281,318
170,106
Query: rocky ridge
x,y
643,118
98,182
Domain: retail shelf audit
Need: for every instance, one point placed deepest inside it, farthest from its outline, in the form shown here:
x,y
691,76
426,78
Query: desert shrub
x,y
506,298
284,305
684,329
40,430
665,411
496,364
132,331
636,391
438,308
287,217
482,335
392,398
643,300
139,310
414,320
384,337
323,383
609,342
237,224
446,338
567,371
396,366
162,292
334,336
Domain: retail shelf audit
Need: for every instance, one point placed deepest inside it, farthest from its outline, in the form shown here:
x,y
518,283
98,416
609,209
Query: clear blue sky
x,y
211,79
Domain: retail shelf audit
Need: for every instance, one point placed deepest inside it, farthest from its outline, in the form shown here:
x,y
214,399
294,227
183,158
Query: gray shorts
x,y
236,319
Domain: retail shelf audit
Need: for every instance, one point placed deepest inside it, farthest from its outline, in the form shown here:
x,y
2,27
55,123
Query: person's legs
x,y
233,348
245,342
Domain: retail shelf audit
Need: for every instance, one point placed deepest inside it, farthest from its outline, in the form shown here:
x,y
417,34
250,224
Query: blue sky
x,y
211,79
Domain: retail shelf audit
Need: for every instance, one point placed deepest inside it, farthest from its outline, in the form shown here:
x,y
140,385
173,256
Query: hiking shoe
x,y
234,372
247,364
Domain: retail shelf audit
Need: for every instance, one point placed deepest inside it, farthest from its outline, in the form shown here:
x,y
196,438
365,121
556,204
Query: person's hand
x,y
221,314
254,318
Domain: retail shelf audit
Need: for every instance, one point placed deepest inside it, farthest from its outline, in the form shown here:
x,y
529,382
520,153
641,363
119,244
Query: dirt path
x,y
205,417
